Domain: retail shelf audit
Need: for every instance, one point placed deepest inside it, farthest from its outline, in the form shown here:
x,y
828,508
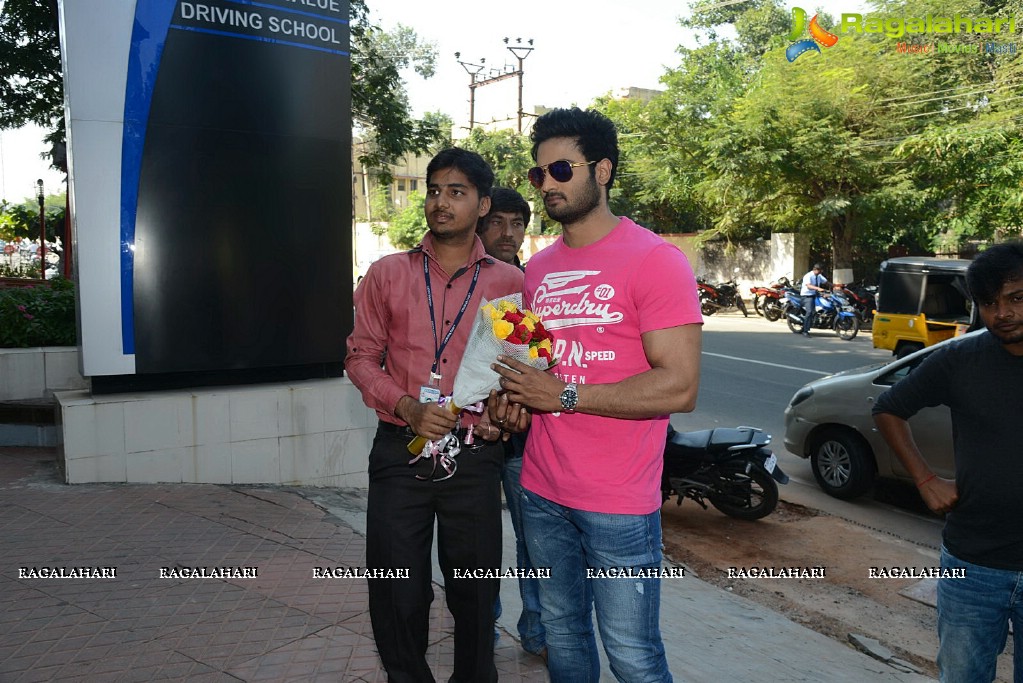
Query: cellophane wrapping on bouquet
x,y
501,327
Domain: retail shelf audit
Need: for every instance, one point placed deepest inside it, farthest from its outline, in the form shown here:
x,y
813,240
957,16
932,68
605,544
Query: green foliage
x,y
381,209
31,86
650,184
31,80
407,227
43,315
508,153
856,147
22,220
380,108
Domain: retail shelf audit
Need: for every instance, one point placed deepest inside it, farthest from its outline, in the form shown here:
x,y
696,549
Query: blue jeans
x,y
809,310
531,631
569,541
973,621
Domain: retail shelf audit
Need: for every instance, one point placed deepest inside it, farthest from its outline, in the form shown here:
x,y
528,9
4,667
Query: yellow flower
x,y
533,317
529,324
546,344
492,312
506,306
502,328
533,353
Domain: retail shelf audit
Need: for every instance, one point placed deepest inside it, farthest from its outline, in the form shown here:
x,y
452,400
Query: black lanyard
x,y
458,318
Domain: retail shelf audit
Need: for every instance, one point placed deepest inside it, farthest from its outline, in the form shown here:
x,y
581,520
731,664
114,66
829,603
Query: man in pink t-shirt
x,y
622,306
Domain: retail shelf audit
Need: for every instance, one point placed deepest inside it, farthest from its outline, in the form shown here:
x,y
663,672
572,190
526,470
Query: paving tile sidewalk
x,y
285,625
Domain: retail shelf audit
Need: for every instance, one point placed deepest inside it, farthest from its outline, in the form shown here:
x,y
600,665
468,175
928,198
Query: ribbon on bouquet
x,y
443,451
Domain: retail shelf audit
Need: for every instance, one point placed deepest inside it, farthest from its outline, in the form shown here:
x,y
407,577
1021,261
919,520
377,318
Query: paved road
x,y
751,368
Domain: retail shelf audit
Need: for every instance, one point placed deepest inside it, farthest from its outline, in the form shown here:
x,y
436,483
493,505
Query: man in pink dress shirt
x,y
414,312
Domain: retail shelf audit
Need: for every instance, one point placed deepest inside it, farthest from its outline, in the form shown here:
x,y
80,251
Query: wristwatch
x,y
569,397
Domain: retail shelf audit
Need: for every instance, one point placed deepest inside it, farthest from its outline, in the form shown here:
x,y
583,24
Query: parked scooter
x,y
832,312
731,468
768,300
716,297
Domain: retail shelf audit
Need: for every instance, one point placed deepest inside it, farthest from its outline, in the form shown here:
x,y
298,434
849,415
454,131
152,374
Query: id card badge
x,y
430,393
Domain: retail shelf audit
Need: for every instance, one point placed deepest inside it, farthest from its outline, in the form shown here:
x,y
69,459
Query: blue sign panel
x,y
234,191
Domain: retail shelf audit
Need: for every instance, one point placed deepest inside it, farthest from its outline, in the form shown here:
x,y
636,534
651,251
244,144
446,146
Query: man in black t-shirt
x,y
980,379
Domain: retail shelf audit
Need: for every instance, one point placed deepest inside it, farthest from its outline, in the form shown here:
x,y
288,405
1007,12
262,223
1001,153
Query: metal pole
x,y
520,52
42,229
520,95
67,237
473,70
472,103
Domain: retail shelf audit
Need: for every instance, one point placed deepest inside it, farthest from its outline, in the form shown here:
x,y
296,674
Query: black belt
x,y
397,430
400,430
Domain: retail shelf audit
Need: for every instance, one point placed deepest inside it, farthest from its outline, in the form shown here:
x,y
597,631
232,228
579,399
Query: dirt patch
x,y
841,600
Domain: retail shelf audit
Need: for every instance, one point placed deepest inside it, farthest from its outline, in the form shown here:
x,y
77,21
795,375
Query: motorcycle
x,y
731,468
716,297
832,312
864,300
768,300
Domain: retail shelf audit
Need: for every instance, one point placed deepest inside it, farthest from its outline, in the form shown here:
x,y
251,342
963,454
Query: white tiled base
x,y
311,433
38,372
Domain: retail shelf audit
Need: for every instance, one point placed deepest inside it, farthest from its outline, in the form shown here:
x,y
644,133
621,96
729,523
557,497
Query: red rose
x,y
520,333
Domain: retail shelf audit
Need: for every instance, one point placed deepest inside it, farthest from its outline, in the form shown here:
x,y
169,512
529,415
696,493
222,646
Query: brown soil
x,y
845,601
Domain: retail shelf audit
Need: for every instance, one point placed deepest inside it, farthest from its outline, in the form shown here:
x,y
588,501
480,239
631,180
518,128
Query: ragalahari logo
x,y
818,36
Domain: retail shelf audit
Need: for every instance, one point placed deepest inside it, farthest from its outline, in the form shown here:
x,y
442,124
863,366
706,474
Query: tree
x,y
809,148
832,145
651,166
380,108
509,154
31,81
967,161
22,220
407,227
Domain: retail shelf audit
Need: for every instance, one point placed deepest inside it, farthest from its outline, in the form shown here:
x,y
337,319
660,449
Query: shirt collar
x,y
478,252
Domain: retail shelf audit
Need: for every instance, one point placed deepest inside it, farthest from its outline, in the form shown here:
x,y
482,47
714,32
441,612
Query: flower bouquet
x,y
501,327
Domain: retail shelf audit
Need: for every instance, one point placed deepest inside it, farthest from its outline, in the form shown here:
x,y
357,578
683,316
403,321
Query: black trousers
x,y
399,533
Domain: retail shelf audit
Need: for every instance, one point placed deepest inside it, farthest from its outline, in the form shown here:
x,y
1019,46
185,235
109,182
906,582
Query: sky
x,y
582,49
20,165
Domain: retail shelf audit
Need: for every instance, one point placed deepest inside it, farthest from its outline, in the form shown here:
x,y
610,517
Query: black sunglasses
x,y
560,170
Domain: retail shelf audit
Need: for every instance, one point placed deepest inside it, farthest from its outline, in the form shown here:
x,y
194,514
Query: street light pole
x,y
473,70
41,196
521,52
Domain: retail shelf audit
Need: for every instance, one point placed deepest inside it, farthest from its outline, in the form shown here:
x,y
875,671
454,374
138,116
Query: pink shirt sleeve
x,y
367,344
666,296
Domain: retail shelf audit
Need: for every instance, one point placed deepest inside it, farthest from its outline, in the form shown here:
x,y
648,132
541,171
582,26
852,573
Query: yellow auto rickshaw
x,y
920,301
